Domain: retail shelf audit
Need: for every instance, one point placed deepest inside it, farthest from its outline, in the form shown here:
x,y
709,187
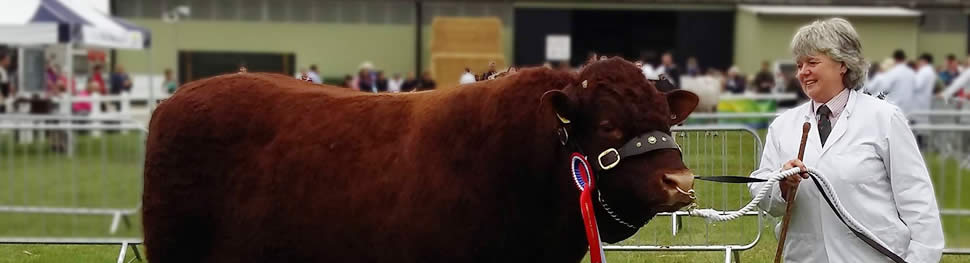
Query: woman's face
x,y
820,76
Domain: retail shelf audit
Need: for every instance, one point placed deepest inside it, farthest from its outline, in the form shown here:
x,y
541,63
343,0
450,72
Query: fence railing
x,y
708,150
113,106
60,183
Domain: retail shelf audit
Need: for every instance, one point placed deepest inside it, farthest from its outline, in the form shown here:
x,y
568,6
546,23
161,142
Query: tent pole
x,y
71,85
20,74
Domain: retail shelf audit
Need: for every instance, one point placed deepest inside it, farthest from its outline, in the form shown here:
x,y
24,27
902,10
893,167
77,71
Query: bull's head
x,y
622,123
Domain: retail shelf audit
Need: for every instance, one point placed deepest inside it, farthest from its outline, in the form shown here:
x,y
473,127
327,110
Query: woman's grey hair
x,y
836,38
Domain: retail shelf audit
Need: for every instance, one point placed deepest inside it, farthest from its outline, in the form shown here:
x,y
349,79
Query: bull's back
x,y
266,149
256,167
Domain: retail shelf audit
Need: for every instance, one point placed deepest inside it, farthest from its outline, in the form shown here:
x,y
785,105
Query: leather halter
x,y
647,142
610,158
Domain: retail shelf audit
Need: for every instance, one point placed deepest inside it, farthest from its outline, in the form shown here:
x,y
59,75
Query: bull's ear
x,y
560,103
682,103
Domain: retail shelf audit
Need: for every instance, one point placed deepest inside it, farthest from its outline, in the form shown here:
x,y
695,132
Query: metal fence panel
x,y
708,150
944,137
70,180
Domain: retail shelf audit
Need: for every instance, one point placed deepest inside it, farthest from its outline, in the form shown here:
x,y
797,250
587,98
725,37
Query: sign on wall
x,y
557,47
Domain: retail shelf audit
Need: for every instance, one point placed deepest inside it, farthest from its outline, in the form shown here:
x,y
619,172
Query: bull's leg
x,y
183,238
177,225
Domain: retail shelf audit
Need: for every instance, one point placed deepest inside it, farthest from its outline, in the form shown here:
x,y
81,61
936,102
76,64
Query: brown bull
x,y
263,168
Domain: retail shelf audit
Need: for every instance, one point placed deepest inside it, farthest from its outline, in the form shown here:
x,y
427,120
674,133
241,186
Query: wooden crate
x,y
460,42
466,35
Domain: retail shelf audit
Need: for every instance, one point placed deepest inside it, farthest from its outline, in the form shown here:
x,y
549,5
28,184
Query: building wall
x,y
337,35
759,38
943,32
337,49
940,44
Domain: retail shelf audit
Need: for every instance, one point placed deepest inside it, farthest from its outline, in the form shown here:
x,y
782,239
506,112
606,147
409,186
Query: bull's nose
x,y
682,184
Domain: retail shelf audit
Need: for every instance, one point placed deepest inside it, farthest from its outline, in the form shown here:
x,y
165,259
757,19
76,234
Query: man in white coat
x,y
467,77
898,83
863,146
925,81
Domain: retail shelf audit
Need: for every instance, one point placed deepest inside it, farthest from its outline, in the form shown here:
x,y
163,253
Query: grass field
x,y
106,173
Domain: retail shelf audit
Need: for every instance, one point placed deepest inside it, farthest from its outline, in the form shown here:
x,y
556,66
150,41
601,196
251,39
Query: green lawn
x,y
106,172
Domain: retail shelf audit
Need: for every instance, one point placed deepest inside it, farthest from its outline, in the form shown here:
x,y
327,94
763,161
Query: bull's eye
x,y
606,126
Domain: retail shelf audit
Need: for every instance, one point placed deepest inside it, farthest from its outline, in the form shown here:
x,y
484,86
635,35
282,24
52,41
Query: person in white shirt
x,y
898,83
394,84
467,77
648,71
669,69
925,81
314,75
301,73
863,146
875,84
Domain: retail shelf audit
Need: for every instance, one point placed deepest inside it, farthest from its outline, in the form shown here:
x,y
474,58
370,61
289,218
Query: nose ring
x,y
688,193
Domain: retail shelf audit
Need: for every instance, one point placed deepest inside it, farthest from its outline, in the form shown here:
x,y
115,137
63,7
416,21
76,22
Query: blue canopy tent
x,y
69,23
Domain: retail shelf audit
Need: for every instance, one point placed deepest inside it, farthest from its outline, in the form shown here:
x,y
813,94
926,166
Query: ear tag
x,y
561,119
584,84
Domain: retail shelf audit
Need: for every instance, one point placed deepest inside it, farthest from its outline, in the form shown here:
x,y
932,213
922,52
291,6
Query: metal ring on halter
x,y
690,193
563,136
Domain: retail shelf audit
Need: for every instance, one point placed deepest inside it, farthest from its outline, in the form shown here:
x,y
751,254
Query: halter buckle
x,y
616,160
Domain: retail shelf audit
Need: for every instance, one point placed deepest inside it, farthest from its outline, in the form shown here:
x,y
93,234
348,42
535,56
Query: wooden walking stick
x,y
790,199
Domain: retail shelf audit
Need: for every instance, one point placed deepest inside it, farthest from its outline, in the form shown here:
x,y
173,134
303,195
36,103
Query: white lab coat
x,y
874,85
314,77
466,78
923,93
898,83
649,72
394,85
872,160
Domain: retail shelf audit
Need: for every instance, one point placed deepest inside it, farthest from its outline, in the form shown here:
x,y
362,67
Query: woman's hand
x,y
793,180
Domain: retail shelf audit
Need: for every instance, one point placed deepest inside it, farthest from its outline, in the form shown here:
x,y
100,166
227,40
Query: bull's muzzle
x,y
680,188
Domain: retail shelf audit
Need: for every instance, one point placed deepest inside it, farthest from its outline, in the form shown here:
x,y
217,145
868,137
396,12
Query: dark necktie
x,y
824,124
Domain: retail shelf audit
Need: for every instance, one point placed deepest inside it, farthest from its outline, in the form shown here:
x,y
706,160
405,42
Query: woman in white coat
x,y
863,146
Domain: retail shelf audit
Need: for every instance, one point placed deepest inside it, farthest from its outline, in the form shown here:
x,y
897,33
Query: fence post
x,y
64,105
125,103
125,109
8,104
24,136
95,112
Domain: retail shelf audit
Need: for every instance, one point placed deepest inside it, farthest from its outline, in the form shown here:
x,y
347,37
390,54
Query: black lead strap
x,y
730,179
872,243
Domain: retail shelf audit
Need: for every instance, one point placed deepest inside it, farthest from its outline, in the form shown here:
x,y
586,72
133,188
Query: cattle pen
x,y
69,192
